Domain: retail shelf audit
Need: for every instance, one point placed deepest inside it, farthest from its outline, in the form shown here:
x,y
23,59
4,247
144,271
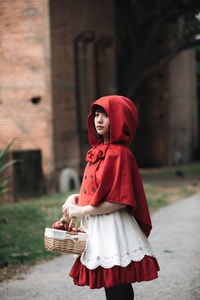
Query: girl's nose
x,y
100,119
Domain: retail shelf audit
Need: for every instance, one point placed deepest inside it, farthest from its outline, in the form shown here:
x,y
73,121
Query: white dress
x,y
114,239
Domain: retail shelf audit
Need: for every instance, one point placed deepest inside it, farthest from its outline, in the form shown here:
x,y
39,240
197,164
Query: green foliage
x,y
3,166
160,196
22,228
187,171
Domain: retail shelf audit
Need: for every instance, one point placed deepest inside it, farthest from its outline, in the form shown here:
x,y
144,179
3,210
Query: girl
x,y
112,205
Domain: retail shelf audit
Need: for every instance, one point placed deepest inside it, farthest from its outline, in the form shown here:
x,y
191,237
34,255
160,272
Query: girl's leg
x,y
123,291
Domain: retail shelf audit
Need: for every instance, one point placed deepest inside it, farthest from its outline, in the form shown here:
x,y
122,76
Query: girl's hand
x,y
74,211
72,199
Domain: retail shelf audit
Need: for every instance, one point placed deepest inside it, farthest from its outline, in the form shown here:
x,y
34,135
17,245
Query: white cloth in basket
x,y
114,239
63,235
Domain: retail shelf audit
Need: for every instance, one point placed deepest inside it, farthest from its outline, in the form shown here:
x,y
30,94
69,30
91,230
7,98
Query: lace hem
x,y
116,259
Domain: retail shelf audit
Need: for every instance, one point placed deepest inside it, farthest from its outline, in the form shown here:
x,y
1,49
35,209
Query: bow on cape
x,y
96,153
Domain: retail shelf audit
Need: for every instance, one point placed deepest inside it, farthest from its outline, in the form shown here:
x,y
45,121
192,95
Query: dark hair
x,y
102,110
99,108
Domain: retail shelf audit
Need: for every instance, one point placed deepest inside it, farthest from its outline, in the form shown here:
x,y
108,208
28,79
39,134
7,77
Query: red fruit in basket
x,y
53,225
58,225
66,226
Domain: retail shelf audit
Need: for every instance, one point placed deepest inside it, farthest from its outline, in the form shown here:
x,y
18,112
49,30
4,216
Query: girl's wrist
x,y
89,210
84,211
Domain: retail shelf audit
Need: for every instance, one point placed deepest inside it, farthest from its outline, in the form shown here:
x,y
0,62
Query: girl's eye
x,y
98,114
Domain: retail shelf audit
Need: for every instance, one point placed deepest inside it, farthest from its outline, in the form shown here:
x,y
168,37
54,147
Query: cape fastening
x,y
111,173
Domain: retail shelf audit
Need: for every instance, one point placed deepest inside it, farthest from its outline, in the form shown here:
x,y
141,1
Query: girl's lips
x,y
99,127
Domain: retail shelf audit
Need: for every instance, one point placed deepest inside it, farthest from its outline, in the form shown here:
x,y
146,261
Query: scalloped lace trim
x,y
116,259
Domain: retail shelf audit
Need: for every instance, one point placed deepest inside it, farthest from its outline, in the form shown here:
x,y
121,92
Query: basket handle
x,y
73,220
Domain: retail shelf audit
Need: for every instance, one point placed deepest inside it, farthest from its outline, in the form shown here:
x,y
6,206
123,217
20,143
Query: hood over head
x,y
123,119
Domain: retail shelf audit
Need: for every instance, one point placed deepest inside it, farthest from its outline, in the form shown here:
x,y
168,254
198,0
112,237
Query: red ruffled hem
x,y
143,270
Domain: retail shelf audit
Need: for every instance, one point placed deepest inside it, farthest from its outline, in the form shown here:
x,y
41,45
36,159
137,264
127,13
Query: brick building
x,y
56,57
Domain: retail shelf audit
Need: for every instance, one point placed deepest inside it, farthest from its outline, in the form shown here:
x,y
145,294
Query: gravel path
x,y
176,240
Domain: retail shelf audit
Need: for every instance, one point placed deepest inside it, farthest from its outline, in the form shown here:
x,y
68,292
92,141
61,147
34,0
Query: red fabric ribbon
x,y
96,153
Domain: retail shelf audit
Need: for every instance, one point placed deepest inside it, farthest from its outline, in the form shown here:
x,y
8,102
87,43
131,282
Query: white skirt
x,y
114,239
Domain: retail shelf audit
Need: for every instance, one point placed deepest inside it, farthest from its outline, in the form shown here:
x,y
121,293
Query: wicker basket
x,y
64,241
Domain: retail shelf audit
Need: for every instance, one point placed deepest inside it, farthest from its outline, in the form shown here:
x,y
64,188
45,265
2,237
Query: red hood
x,y
123,119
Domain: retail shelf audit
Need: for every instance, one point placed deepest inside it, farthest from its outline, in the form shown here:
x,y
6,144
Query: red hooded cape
x,y
111,173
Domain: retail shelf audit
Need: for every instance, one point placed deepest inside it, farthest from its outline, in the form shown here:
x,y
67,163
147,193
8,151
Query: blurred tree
x,y
141,25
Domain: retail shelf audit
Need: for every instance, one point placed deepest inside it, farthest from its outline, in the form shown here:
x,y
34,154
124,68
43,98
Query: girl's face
x,y
102,124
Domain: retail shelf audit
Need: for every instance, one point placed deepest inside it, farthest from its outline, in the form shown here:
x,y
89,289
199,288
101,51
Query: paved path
x,y
176,241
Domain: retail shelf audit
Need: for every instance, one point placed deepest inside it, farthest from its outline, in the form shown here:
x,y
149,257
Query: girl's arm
x,y
105,207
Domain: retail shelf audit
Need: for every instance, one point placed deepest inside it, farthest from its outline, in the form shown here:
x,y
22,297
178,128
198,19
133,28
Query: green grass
x,y
188,171
22,228
160,196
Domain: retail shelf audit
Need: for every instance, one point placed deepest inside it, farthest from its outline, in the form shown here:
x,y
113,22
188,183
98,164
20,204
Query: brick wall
x,y
68,20
38,85
25,75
